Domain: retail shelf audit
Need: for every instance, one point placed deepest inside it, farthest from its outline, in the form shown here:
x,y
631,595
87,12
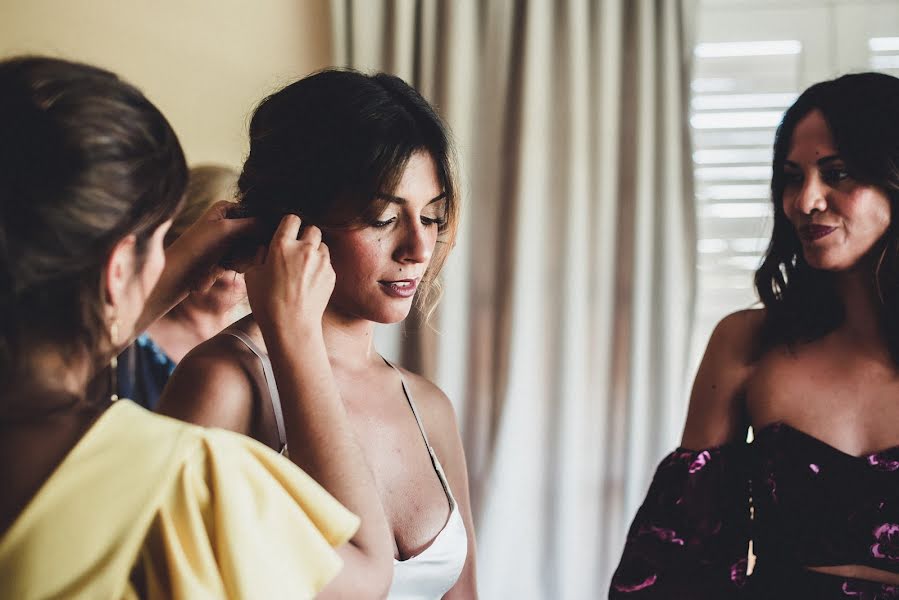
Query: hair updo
x,y
86,160
326,146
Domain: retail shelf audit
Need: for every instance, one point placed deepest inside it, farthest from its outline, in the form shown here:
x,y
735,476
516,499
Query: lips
x,y
813,232
400,288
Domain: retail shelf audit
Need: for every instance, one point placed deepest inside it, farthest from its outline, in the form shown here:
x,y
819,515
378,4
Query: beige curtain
x,y
562,336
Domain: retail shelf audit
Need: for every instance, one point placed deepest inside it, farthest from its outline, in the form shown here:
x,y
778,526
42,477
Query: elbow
x,y
379,577
366,575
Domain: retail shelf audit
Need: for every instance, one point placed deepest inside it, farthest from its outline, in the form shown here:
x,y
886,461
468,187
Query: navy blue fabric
x,y
142,372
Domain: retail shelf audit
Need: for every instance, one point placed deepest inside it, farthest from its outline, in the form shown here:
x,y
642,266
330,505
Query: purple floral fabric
x,y
820,506
690,538
789,583
812,505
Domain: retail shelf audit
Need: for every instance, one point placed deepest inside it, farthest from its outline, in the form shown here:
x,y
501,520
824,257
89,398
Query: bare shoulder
x,y
737,333
439,420
222,356
717,413
212,386
435,409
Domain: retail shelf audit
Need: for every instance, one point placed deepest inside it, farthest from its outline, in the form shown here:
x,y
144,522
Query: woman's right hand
x,y
192,262
292,281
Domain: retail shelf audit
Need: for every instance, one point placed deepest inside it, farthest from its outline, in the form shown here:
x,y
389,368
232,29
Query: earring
x,y
114,362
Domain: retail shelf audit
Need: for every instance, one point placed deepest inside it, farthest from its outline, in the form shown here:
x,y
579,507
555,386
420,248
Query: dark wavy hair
x,y
85,159
326,146
862,112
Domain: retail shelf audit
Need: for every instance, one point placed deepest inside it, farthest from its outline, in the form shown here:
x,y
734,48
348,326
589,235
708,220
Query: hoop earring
x,y
877,274
114,361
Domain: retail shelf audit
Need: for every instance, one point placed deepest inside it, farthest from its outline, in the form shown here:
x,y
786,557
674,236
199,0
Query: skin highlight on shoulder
x,y
211,387
717,413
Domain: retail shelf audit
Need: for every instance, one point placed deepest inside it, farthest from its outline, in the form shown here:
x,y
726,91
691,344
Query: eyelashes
x,y
831,176
440,222
790,178
835,175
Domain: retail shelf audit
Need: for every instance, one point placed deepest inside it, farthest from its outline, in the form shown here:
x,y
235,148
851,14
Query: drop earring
x,y
114,362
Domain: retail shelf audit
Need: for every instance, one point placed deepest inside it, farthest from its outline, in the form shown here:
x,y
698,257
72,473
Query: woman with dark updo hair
x,y
815,373
367,165
101,498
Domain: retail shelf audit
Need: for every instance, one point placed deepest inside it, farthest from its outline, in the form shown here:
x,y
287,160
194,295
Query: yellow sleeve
x,y
242,522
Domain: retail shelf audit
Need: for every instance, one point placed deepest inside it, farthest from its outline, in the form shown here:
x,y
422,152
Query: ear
x,y
120,270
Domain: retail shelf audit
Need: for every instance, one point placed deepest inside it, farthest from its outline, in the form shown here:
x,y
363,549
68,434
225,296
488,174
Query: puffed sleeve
x,y
690,538
241,521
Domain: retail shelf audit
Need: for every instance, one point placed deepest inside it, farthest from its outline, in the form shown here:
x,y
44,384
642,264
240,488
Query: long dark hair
x,y
85,159
325,146
862,112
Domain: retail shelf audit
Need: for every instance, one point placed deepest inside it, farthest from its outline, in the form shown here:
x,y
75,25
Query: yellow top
x,y
185,511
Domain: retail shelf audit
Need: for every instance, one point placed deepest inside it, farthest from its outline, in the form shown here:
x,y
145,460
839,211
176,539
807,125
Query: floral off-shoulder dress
x,y
802,503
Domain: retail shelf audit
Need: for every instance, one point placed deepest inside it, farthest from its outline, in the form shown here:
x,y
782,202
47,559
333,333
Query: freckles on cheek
x,y
360,254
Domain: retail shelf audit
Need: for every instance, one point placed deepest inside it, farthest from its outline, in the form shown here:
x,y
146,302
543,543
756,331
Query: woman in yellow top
x,y
103,499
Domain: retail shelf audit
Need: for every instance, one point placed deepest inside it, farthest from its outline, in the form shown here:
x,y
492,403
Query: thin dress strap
x,y
434,460
269,375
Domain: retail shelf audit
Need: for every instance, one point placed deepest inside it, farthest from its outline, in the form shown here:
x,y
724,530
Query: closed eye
x,y
439,221
379,224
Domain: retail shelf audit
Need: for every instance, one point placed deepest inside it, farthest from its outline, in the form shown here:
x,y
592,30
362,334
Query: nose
x,y
813,195
416,245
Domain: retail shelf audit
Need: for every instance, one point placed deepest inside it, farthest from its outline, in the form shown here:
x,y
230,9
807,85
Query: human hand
x,y
290,283
197,254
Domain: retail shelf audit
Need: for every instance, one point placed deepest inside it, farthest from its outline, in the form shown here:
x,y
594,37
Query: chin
x,y
824,261
390,315
385,313
386,310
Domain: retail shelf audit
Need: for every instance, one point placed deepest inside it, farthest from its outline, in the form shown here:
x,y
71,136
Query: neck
x,y
348,339
862,305
199,320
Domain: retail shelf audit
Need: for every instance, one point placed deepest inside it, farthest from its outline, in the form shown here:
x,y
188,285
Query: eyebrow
x,y
399,200
821,161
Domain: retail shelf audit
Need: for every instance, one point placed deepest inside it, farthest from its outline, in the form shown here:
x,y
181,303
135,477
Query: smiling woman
x,y
859,214
367,164
396,246
815,373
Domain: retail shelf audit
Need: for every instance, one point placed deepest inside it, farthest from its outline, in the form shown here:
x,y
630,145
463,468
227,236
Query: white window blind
x,y
740,91
884,54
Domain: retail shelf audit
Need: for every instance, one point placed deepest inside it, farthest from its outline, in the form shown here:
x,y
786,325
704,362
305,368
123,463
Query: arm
x,y
690,537
717,413
191,262
440,422
288,292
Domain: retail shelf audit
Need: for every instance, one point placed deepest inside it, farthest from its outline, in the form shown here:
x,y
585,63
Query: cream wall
x,y
205,63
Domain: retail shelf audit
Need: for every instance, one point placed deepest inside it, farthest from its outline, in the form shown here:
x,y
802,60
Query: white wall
x,y
205,63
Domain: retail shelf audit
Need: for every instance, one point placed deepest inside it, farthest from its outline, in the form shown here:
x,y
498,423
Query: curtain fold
x,y
563,333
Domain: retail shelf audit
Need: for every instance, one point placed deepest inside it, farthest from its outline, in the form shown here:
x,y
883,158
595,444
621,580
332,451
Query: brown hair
x,y
326,146
86,160
862,113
